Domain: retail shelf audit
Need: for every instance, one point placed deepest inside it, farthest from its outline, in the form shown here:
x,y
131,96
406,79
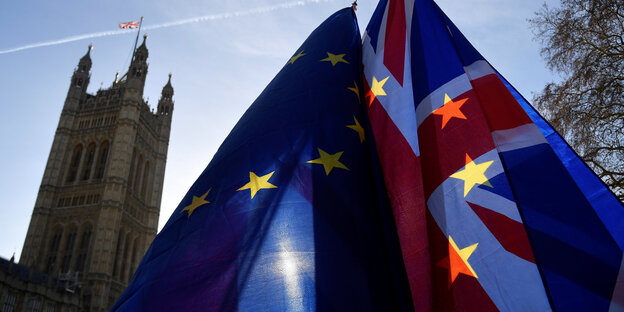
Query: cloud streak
x,y
198,19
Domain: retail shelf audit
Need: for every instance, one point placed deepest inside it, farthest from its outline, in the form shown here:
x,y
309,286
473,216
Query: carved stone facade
x,y
99,201
24,289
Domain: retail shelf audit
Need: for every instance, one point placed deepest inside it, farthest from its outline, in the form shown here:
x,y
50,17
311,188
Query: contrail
x,y
198,19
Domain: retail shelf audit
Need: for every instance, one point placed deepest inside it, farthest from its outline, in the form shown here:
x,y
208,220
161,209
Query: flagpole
x,y
137,37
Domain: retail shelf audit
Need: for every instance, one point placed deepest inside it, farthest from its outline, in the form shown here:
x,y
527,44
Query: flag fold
x,y
494,210
287,216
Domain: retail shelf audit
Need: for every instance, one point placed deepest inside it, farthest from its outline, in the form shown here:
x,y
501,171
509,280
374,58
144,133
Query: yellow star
x,y
457,261
473,174
334,58
376,89
197,201
328,161
355,89
294,58
357,128
257,183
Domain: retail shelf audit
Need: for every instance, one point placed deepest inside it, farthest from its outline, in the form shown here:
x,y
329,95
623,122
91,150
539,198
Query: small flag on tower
x,y
286,217
129,25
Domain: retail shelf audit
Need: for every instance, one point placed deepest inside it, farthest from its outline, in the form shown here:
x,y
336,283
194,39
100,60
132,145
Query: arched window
x,y
55,242
74,164
128,254
132,166
134,261
69,249
137,175
136,258
124,259
101,163
145,176
83,251
86,170
117,258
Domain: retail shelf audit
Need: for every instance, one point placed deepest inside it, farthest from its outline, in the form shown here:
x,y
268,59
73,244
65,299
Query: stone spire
x,y
165,104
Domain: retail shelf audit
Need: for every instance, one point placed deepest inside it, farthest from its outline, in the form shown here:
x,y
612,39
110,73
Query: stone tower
x,y
99,201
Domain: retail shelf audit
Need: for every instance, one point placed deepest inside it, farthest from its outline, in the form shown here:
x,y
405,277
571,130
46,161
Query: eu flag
x,y
494,210
287,215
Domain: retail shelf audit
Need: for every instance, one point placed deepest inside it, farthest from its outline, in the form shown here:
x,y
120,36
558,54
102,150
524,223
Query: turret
x,y
138,67
165,104
80,78
116,78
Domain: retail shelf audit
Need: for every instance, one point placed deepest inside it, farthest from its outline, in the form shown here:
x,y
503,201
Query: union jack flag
x,y
129,25
493,209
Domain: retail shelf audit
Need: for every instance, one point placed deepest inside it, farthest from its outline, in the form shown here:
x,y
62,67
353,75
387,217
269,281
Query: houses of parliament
x,y
98,205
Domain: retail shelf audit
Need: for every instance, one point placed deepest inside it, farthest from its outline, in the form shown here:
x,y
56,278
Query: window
x,y
101,164
86,171
49,308
134,256
69,248
9,303
132,166
79,83
145,175
123,261
53,250
84,248
137,72
116,264
34,305
75,162
137,176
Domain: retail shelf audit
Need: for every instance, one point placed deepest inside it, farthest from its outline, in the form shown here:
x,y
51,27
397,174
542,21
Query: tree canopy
x,y
583,41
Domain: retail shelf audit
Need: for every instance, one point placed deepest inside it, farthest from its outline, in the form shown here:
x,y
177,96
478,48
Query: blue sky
x,y
220,65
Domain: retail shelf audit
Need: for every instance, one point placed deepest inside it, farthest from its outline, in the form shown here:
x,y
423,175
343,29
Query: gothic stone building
x,y
99,201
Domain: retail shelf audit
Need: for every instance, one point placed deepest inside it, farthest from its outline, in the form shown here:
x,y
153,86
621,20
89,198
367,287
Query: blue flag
x,y
287,215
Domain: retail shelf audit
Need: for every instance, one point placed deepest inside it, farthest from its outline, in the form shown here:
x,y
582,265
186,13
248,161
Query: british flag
x,y
129,25
494,210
